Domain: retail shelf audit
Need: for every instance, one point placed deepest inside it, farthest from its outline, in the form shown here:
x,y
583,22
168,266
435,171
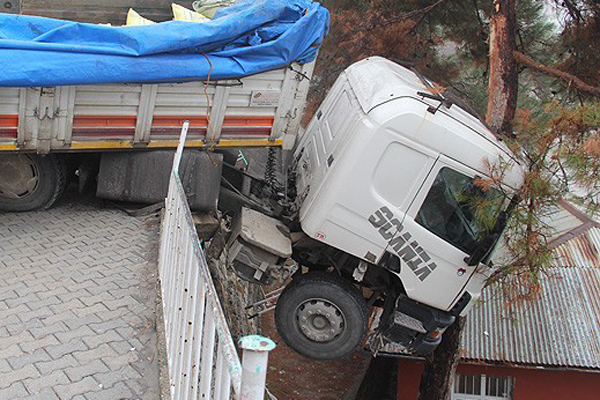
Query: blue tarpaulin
x,y
249,37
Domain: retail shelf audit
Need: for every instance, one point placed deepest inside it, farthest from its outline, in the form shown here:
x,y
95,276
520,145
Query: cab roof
x,y
376,81
379,84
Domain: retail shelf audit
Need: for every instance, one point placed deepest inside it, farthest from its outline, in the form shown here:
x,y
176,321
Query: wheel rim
x,y
19,176
320,320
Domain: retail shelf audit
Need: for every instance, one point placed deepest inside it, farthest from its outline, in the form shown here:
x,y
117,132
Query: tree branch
x,y
556,73
421,13
425,11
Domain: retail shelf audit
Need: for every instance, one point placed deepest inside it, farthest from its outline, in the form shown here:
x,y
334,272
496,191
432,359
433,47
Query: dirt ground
x,y
294,377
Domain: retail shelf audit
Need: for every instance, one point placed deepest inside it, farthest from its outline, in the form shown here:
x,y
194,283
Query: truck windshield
x,y
448,210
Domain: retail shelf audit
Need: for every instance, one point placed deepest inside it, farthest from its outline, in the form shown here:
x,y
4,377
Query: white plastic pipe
x,y
254,366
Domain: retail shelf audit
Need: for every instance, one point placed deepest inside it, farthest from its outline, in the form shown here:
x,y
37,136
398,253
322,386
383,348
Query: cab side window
x,y
446,214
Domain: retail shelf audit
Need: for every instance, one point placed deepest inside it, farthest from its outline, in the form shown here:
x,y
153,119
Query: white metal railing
x,y
202,359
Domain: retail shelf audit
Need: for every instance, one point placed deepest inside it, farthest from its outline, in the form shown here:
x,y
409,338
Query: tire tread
x,y
335,282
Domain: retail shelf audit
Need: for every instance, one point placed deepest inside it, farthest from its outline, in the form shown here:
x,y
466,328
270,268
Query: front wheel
x,y
321,316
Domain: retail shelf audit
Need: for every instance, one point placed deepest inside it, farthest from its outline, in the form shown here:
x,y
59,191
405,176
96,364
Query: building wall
x,y
529,384
409,378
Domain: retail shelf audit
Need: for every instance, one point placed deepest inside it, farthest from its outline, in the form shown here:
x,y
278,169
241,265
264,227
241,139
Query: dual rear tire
x,y
30,181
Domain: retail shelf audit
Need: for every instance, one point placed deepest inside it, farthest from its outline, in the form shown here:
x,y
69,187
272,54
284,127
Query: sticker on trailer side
x,y
267,98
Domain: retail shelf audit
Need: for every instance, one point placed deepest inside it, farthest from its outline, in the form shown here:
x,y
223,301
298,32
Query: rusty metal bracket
x,y
55,113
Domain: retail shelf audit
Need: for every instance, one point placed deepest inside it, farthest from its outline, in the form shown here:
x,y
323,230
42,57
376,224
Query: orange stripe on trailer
x,y
229,121
245,131
243,121
9,121
92,121
177,121
103,132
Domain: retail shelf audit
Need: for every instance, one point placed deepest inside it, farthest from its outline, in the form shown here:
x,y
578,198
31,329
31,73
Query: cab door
x,y
436,237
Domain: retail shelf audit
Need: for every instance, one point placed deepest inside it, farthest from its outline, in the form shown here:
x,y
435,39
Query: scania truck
x,y
380,212
372,213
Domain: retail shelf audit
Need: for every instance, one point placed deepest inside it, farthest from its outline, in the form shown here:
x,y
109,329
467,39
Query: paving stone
x,y
66,348
106,326
120,361
39,332
98,339
122,347
17,328
59,317
77,292
44,394
53,293
51,300
46,341
97,298
26,299
73,305
119,391
22,360
108,315
12,351
16,375
68,391
23,337
95,290
58,364
8,294
76,322
80,332
21,308
47,381
11,320
94,367
4,365
13,391
125,373
35,315
101,351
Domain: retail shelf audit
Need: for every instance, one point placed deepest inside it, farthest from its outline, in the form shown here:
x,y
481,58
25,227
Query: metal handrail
x,y
202,360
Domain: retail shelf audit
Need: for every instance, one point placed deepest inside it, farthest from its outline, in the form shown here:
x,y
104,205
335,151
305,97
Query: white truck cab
x,y
380,174
374,163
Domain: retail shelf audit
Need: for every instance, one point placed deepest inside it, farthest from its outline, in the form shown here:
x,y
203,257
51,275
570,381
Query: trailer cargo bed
x,y
259,110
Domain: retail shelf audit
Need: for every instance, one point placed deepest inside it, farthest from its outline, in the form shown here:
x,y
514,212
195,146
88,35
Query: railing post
x,y
180,146
254,366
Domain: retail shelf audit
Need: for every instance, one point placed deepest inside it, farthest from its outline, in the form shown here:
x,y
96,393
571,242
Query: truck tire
x,y
321,316
30,181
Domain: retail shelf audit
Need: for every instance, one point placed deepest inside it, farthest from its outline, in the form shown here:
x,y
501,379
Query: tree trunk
x,y
503,84
438,374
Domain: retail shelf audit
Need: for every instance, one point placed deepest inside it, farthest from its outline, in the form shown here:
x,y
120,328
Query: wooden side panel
x,y
97,11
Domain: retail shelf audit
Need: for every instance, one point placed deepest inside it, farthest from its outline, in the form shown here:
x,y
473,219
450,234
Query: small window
x,y
337,118
482,387
448,210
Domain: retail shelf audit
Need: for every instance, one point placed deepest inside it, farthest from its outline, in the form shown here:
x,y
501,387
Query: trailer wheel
x,y
321,316
30,181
